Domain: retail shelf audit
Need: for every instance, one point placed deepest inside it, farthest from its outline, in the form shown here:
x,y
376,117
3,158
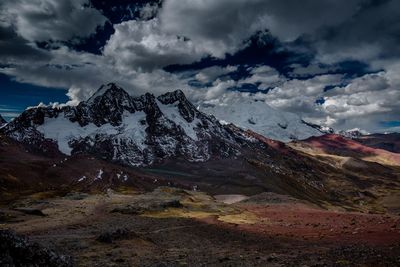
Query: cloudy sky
x,y
336,63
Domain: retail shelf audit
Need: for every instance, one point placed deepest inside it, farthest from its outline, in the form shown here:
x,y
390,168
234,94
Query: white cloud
x,y
366,83
266,76
142,45
223,25
365,100
43,20
83,73
300,95
211,73
148,11
219,88
185,31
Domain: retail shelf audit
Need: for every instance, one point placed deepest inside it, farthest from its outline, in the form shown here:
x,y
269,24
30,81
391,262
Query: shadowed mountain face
x,y
389,142
338,145
24,171
136,131
373,171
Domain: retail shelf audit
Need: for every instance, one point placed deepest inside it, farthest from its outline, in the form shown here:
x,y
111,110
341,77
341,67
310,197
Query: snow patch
x,y
171,112
99,175
63,131
134,127
98,93
261,118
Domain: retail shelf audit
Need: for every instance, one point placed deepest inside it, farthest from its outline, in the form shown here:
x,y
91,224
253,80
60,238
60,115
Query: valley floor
x,y
173,227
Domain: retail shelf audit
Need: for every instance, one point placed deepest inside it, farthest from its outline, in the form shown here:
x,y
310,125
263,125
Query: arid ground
x,y
174,227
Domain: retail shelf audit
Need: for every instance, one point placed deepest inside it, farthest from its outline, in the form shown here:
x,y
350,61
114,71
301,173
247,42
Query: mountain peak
x,y
108,90
172,97
132,130
186,108
353,133
262,119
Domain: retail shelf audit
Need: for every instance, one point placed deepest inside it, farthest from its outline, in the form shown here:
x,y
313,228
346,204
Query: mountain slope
x,y
389,142
137,131
165,140
24,171
2,121
263,119
334,144
352,133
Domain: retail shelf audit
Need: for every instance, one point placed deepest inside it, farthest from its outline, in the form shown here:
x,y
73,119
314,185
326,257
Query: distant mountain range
x,y
112,111
265,120
136,131
389,141
114,140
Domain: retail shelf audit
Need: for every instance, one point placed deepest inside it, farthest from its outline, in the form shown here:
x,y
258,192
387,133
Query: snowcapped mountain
x,y
184,146
353,133
263,119
132,130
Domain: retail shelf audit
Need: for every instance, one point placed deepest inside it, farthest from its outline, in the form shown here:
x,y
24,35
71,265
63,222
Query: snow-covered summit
x,y
108,91
353,133
262,119
133,130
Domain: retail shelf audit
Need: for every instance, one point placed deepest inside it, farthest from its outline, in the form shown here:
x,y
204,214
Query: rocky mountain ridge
x,y
137,131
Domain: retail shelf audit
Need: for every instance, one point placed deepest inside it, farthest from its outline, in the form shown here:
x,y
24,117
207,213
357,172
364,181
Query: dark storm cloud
x,y
43,20
224,24
371,33
15,49
355,30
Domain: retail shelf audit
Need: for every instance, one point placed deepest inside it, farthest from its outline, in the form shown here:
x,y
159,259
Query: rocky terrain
x,y
18,251
389,141
175,227
346,182
333,144
374,171
136,142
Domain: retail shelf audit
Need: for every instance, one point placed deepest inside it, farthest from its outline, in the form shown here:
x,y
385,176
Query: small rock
x,y
31,211
271,258
224,259
18,251
110,237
